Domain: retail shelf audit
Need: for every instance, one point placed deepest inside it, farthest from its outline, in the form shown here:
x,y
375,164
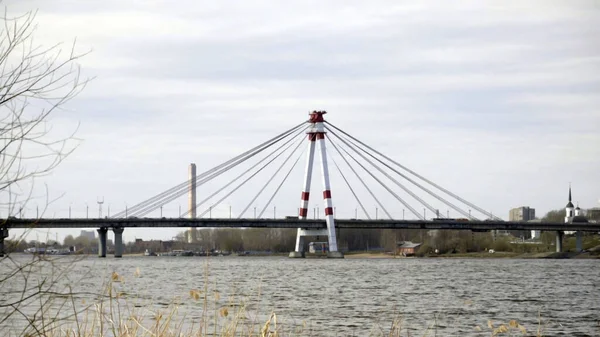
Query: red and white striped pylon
x,y
316,133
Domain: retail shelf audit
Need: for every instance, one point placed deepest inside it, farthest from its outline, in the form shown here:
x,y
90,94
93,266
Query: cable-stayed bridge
x,y
263,171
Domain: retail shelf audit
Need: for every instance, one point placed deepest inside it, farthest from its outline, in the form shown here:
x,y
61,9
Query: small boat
x,y
149,253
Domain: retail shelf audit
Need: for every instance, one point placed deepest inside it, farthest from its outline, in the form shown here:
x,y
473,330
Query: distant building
x,y
593,214
523,213
88,234
407,248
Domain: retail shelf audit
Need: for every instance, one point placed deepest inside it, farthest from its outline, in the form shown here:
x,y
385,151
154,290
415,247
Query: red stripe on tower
x,y
304,196
320,135
326,194
312,137
303,212
329,211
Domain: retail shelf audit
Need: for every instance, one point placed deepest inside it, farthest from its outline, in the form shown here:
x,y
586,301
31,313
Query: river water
x,y
361,297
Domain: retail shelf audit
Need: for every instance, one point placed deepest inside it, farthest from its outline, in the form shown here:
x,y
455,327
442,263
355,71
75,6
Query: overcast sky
x,y
497,101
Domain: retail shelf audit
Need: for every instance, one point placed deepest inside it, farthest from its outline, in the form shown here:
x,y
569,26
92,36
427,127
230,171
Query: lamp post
x,y
403,214
376,213
100,202
87,211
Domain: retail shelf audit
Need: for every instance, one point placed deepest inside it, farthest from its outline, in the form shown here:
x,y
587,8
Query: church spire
x,y
570,204
569,192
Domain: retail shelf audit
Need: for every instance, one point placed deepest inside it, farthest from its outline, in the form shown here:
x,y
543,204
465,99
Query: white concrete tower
x,y
316,133
569,209
192,200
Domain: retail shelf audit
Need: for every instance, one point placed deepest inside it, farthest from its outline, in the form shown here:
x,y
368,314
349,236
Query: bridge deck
x,y
296,223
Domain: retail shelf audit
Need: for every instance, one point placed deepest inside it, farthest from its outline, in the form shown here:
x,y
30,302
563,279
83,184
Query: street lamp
x,y
100,202
87,211
403,214
70,210
376,213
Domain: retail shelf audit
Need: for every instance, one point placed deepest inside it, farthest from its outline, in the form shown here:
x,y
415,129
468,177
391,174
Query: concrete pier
x,y
579,242
118,241
298,252
335,255
3,235
559,241
102,241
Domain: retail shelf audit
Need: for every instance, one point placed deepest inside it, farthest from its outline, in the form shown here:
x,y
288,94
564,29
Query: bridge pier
x,y
118,231
3,235
298,252
559,241
579,242
102,241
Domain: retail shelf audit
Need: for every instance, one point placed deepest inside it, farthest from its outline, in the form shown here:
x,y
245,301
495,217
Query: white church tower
x,y
578,211
569,209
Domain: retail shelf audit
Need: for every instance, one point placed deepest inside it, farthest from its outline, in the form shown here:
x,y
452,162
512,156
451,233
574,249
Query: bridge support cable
x,y
282,148
453,195
281,184
239,158
402,201
243,173
243,182
270,179
211,174
362,182
351,189
376,179
423,202
354,147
